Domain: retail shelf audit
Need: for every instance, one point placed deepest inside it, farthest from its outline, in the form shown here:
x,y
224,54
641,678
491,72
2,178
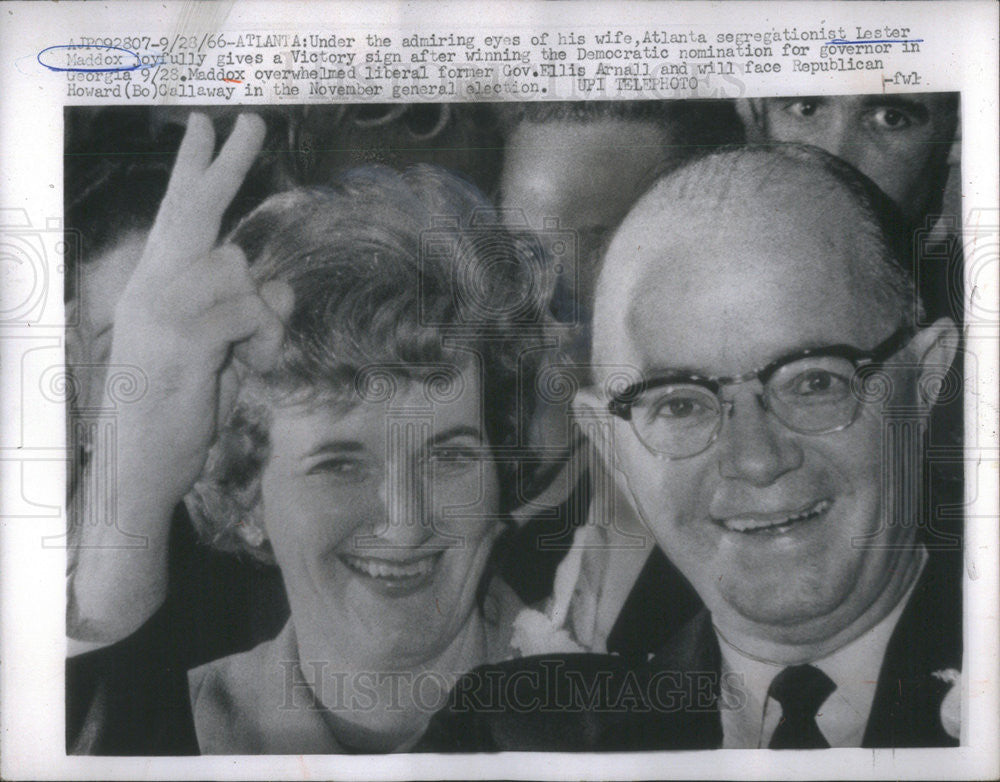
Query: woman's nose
x,y
404,495
755,446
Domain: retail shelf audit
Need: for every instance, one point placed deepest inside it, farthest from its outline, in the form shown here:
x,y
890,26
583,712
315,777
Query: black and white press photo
x,y
555,426
474,390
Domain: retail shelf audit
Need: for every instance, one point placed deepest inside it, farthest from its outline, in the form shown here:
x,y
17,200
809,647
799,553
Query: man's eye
x,y
681,407
802,108
886,118
820,383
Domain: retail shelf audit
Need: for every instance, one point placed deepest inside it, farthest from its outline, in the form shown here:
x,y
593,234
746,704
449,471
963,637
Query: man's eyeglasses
x,y
812,391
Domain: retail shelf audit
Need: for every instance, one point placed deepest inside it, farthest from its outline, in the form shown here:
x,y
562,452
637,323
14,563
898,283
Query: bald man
x,y
778,390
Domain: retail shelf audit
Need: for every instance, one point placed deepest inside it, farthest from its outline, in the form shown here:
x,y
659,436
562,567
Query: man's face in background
x,y
586,174
901,142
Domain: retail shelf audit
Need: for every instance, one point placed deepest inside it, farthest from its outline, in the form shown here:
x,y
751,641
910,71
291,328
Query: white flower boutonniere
x,y
536,633
550,631
951,706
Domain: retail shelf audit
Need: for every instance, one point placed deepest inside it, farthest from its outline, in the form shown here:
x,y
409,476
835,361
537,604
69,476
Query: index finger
x,y
187,224
194,154
237,155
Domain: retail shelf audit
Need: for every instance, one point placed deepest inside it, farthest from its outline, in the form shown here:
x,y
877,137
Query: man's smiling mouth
x,y
777,523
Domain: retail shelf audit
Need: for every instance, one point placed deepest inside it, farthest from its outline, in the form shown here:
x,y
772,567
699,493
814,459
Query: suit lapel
x,y
690,662
906,711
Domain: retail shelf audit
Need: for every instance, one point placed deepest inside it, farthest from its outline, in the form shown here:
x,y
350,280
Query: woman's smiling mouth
x,y
393,576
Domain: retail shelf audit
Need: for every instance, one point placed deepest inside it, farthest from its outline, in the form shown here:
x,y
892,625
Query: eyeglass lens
x,y
812,395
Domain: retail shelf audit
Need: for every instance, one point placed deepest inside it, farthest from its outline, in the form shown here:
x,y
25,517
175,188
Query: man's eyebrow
x,y
901,102
799,98
669,373
335,446
659,372
650,372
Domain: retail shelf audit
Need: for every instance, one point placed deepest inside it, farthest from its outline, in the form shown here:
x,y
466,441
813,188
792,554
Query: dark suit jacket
x,y
588,702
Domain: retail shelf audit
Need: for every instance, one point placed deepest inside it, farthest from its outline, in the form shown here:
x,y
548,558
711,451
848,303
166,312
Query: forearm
x,y
119,577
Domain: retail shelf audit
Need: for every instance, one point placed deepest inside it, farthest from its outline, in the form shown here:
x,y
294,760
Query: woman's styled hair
x,y
396,276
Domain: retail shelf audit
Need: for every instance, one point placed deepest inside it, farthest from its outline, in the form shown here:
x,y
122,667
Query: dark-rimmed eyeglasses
x,y
813,391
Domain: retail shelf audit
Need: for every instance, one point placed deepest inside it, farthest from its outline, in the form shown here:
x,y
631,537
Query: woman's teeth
x,y
380,568
775,523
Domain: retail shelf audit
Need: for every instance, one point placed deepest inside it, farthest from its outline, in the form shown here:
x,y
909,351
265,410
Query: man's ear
x,y
935,348
753,114
955,151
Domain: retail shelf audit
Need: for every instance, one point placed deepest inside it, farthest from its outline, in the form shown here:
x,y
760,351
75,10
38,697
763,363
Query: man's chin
x,y
789,608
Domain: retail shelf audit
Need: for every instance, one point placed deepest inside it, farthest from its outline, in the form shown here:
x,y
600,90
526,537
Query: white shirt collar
x,y
750,716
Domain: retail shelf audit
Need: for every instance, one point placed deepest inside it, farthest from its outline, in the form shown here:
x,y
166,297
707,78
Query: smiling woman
x,y
365,463
335,391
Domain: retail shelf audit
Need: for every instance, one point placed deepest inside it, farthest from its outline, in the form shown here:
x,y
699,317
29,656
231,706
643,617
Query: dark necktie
x,y
801,690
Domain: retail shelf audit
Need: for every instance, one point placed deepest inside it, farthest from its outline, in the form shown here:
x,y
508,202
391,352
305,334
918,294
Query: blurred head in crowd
x,y
902,142
459,137
116,172
580,166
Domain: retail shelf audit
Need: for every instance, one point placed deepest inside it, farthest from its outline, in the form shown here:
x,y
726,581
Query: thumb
x,y
262,350
279,296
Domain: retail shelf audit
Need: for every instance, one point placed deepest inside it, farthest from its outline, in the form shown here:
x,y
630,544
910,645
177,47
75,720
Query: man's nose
x,y
755,446
835,134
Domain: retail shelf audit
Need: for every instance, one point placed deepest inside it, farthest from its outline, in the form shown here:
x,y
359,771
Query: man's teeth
x,y
772,523
380,568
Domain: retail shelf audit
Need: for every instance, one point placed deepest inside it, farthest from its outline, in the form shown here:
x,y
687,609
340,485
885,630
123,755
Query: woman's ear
x,y
230,519
250,528
935,348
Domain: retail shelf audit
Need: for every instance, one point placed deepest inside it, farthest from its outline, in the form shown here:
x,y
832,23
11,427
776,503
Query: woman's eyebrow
x,y
460,430
104,330
335,446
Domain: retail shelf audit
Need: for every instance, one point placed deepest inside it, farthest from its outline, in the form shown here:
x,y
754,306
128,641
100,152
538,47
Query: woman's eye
x,y
452,461
341,469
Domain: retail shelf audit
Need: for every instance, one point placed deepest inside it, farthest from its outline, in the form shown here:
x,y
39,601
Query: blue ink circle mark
x,y
138,59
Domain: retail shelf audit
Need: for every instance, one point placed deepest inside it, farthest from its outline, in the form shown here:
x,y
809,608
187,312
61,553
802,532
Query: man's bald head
x,y
789,225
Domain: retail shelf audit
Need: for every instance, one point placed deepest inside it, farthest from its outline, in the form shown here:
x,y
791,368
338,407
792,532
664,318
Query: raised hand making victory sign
x,y
189,316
